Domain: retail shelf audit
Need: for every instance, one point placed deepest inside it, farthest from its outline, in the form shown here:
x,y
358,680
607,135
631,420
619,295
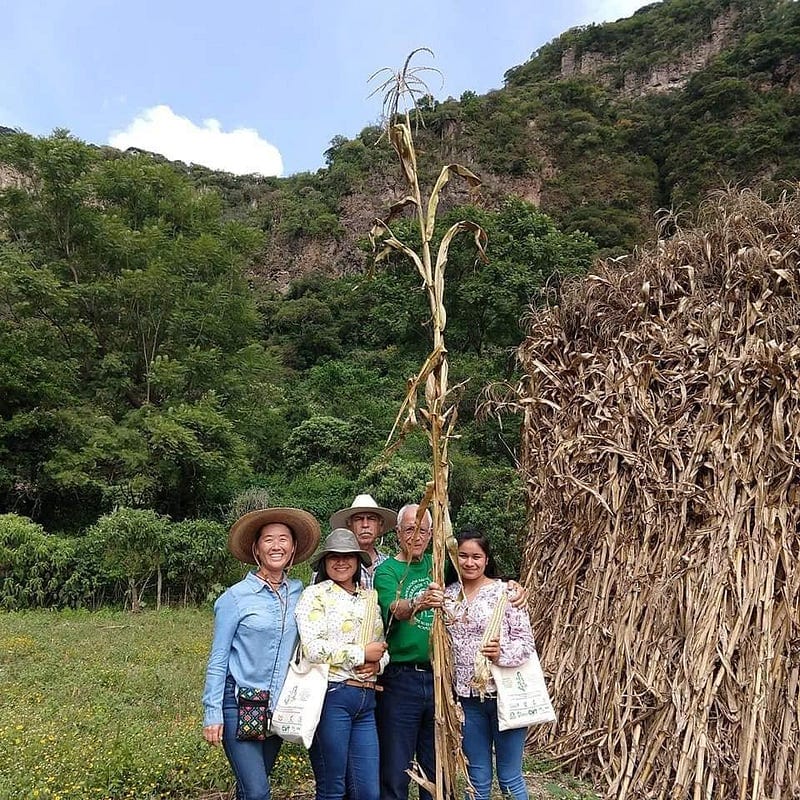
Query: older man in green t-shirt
x,y
405,712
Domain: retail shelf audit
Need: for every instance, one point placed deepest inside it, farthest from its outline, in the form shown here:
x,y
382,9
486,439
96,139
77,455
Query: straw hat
x,y
341,540
244,531
364,504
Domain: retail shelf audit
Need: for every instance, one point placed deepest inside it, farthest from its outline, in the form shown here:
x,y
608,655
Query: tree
x,y
307,327
122,307
196,557
526,254
35,569
396,482
131,545
335,441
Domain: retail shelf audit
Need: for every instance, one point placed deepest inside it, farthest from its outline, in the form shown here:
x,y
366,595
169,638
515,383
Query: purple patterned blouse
x,y
466,622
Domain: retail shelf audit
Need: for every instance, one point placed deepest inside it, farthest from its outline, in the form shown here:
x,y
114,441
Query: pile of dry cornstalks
x,y
661,407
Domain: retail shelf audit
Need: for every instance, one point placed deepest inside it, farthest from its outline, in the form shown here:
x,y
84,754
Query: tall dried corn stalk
x,y
437,418
662,456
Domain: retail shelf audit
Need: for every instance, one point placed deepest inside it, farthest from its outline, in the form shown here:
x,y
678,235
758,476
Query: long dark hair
x,y
322,572
482,540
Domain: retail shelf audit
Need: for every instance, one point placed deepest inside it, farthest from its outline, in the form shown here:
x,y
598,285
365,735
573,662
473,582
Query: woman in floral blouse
x,y
340,625
469,605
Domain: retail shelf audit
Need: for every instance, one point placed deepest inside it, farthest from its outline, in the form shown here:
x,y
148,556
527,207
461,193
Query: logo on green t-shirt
x,y
414,586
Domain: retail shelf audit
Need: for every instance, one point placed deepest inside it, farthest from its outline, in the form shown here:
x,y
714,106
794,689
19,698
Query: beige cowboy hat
x,y
364,504
341,540
244,531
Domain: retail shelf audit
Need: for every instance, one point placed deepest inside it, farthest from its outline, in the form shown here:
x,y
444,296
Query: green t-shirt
x,y
408,640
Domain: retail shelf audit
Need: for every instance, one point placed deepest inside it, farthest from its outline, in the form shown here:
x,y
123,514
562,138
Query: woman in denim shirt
x,y
254,634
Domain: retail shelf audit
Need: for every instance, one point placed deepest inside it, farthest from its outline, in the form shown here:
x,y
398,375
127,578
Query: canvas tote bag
x,y
522,697
299,705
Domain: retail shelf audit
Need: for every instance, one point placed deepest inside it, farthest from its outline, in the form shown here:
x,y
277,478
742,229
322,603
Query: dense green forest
x,y
152,370
145,386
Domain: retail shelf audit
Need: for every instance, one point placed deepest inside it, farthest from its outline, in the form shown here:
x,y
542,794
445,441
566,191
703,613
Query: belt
x,y
419,666
363,685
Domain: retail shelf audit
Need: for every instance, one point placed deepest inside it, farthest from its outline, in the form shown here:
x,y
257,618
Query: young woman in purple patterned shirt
x,y
469,605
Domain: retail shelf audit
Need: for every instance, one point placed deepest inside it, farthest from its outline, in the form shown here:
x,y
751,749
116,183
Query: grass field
x,y
107,705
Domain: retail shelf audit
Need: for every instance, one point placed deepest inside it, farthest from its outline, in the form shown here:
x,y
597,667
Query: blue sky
x,y
251,86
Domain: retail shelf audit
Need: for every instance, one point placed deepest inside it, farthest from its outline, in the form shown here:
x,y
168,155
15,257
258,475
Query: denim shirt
x,y
254,635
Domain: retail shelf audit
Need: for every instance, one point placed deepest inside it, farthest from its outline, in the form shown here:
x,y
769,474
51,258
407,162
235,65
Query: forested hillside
x,y
600,129
171,337
139,371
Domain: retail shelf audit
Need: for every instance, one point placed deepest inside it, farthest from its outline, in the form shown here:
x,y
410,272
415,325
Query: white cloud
x,y
240,151
609,10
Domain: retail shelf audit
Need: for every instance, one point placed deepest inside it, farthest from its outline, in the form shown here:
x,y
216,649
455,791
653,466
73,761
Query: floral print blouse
x,y
466,623
329,620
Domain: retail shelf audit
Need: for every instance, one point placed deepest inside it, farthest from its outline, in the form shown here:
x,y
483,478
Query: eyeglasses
x,y
410,529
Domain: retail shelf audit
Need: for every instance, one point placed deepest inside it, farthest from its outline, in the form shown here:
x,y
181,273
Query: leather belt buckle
x,y
364,685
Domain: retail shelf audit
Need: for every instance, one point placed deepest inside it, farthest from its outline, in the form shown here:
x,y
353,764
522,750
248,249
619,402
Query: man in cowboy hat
x,y
368,521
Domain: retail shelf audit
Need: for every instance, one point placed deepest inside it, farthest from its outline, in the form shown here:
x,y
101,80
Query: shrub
x,y
36,569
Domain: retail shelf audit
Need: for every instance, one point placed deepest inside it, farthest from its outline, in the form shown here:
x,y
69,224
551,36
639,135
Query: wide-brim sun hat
x,y
364,504
245,530
341,540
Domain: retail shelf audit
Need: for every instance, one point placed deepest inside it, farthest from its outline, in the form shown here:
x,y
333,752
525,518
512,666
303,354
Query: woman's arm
x,y
516,639
226,620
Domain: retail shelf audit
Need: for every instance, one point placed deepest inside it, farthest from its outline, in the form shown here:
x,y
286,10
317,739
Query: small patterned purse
x,y
254,714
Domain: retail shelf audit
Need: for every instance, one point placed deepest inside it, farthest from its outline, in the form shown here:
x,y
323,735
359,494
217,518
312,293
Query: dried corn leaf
x,y
433,203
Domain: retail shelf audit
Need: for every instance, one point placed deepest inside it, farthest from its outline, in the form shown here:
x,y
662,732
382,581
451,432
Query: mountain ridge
x,y
600,128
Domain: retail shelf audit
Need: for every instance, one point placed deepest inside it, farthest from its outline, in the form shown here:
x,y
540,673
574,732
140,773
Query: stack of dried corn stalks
x,y
662,458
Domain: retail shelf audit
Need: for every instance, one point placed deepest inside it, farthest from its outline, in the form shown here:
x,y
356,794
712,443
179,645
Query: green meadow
x,y
106,705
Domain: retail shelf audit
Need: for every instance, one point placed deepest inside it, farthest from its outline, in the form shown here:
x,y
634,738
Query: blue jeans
x,y
344,753
480,732
251,762
405,728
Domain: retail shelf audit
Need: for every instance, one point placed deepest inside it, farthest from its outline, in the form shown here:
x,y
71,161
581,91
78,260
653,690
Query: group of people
x,y
368,615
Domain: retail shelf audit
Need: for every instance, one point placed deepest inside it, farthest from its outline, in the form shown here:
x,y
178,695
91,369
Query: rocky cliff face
x,y
661,77
10,178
